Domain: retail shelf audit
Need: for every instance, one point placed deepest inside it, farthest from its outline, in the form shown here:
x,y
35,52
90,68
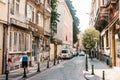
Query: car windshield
x,y
64,51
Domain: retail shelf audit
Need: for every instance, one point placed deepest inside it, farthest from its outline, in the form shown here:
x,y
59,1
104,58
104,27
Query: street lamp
x,y
86,63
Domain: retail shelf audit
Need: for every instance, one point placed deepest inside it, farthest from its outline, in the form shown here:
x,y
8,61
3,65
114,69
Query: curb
x,y
32,72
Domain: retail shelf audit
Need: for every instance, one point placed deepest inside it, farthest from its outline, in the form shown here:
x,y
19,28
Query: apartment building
x,y
39,19
64,34
106,20
65,26
19,35
24,28
3,26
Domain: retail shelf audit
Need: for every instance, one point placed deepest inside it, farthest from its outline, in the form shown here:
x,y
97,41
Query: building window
x,y
30,13
107,43
23,42
42,1
17,8
19,41
102,42
12,6
27,42
15,42
10,41
39,19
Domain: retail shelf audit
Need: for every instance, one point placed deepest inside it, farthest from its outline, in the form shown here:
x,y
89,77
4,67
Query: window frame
x,y
20,43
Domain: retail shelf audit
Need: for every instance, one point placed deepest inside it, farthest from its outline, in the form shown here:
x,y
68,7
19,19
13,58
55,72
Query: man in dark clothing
x,y
25,61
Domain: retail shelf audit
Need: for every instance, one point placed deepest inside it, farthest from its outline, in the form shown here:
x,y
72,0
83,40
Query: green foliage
x,y
90,37
54,18
75,20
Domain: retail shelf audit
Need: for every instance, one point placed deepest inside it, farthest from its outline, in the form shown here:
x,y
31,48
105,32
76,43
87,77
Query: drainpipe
x,y
5,33
3,56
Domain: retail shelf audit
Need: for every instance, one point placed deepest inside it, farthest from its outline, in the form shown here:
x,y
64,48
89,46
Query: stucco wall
x,y
3,11
59,48
51,51
64,29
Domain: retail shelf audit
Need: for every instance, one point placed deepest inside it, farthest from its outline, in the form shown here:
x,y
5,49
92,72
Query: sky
x,y
83,9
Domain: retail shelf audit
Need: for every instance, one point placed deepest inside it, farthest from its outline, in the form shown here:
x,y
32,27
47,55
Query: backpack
x,y
24,58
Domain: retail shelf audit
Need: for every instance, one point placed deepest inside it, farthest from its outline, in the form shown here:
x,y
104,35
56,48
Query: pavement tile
x,y
99,67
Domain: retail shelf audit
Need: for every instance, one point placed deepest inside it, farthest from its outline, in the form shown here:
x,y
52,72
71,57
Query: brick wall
x,y
0,61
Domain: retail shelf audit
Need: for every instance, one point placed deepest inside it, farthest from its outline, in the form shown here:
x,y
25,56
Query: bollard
x,y
48,64
54,62
6,74
86,63
58,61
24,76
103,75
38,70
92,70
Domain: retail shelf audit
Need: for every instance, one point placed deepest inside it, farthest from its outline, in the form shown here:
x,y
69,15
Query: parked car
x,y
82,53
74,53
66,53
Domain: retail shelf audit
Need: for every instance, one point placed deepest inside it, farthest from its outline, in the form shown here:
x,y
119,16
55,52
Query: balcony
x,y
37,30
101,19
18,23
47,33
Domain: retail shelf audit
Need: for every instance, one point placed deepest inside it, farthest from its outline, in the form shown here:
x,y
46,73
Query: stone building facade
x,y
105,14
3,28
24,25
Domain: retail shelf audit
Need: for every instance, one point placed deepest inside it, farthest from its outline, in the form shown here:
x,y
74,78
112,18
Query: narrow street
x,y
68,70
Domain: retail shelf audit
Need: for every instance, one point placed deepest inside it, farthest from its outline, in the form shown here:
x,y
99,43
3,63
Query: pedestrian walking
x,y
25,61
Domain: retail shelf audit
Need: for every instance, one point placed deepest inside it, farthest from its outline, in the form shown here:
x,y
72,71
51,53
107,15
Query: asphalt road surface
x,y
71,69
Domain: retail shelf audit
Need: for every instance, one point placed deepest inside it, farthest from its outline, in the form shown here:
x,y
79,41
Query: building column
x,y
113,54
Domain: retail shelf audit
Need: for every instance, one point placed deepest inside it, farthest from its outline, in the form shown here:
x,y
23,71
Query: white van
x,y
66,53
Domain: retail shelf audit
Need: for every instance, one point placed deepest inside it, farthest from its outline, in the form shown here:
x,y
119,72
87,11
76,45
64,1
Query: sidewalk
x,y
99,67
18,74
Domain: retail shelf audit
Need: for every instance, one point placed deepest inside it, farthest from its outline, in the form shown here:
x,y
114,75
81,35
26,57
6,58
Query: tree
x,y
54,18
75,20
90,37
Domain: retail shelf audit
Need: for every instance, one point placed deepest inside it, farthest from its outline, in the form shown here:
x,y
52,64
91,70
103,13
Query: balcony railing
x,y
101,14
